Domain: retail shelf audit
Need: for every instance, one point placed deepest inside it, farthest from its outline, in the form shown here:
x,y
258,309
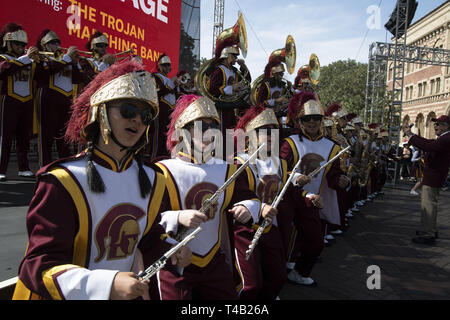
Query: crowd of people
x,y
153,152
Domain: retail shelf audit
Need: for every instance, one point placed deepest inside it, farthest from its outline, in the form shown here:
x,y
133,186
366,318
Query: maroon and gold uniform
x,y
16,79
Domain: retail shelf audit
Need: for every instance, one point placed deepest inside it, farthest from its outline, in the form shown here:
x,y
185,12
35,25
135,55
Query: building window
x,y
420,90
424,89
438,85
407,93
432,87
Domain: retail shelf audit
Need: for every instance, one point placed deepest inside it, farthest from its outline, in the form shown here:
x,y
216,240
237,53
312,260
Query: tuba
x,y
314,69
287,55
236,35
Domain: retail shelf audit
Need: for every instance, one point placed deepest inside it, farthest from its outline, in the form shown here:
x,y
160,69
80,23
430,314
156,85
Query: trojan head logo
x,y
198,194
268,188
310,162
117,234
276,95
230,81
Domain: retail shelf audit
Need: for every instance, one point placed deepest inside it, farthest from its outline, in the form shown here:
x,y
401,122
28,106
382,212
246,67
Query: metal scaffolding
x,y
381,57
219,6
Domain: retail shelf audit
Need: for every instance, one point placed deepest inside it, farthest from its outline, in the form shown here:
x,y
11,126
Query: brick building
x,y
426,92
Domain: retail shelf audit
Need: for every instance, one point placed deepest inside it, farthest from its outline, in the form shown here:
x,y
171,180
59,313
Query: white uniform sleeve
x,y
169,221
102,66
228,90
294,180
271,102
254,206
84,284
24,59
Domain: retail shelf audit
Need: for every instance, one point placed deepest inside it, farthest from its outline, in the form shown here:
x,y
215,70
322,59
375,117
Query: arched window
x,y
429,129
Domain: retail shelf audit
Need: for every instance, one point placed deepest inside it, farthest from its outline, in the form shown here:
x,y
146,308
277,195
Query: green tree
x,y
188,61
344,81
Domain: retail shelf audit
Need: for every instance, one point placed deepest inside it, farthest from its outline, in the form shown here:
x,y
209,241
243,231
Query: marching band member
x,y
368,136
57,81
167,99
355,166
339,115
374,158
17,72
352,162
194,174
183,83
226,81
302,82
274,92
386,149
111,200
100,60
263,275
312,147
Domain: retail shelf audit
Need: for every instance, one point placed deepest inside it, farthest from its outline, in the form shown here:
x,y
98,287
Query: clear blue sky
x,y
334,30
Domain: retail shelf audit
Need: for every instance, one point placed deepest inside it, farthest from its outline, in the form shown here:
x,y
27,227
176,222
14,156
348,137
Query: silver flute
x,y
279,197
161,262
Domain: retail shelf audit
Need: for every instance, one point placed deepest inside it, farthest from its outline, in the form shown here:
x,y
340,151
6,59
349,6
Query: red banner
x,y
149,27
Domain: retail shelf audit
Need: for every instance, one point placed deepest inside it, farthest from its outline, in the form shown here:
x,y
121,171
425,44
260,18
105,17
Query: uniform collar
x,y
105,160
320,136
191,159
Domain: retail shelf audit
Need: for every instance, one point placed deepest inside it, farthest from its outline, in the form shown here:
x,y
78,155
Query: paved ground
x,y
380,235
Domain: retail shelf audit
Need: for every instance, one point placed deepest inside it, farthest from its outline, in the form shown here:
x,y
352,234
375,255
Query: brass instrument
x,y
288,55
366,164
314,69
129,51
86,54
59,53
354,170
237,35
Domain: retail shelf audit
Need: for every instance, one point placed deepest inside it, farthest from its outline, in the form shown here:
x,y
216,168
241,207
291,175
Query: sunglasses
x,y
56,42
267,130
130,111
101,45
314,117
19,44
205,126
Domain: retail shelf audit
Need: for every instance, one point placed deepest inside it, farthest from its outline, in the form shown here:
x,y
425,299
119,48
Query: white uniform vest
x,y
230,79
20,87
115,222
170,97
189,185
319,185
268,175
61,82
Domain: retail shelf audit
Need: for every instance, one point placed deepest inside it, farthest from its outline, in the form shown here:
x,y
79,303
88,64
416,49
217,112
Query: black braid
x,y
144,182
94,180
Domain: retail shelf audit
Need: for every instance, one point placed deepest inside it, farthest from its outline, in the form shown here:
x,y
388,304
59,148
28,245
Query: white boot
x,y
26,174
294,276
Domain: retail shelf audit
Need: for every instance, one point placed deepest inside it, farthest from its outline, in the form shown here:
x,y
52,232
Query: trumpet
x,y
123,52
59,53
130,51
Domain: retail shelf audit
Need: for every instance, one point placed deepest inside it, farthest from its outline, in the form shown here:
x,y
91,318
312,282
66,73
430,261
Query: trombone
x,y
58,54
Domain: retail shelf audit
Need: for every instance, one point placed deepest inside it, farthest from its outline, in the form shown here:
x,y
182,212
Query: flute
x,y
161,262
279,197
